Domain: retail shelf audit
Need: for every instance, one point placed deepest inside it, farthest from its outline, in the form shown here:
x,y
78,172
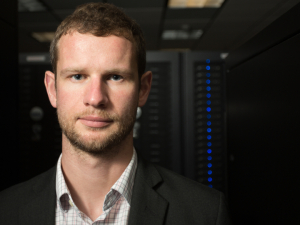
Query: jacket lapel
x,y
147,206
41,207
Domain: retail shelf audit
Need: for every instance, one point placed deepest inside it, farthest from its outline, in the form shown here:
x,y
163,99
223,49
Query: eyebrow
x,y
112,71
118,71
71,70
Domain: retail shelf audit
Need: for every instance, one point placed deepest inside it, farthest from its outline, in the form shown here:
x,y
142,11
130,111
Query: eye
x,y
77,77
116,77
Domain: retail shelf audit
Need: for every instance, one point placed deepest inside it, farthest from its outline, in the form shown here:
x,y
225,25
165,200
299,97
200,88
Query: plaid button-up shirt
x,y
116,205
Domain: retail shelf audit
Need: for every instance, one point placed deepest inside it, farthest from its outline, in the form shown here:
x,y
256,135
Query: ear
x,y
50,87
145,86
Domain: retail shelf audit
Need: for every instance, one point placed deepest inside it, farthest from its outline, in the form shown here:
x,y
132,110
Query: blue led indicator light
x,y
208,95
209,172
208,116
209,165
208,81
208,102
208,151
208,109
208,61
208,123
208,88
208,143
209,179
209,158
207,67
210,186
208,137
208,74
208,130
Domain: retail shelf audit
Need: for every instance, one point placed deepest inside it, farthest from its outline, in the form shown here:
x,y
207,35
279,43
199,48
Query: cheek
x,y
125,98
66,100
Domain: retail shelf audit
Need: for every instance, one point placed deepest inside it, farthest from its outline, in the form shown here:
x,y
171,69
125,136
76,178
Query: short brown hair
x,y
101,19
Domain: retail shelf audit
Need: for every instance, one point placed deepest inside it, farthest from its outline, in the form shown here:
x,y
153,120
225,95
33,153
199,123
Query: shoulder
x,y
188,201
21,193
174,183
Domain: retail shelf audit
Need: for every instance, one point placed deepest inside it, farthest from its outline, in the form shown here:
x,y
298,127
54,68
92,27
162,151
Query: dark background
x,y
262,95
9,165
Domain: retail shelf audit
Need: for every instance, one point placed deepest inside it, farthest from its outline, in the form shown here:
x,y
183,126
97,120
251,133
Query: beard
x,y
106,142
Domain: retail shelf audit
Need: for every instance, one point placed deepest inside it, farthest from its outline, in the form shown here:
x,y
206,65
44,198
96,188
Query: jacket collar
x,y
41,207
147,207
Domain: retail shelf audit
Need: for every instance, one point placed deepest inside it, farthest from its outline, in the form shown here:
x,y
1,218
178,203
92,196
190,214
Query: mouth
x,y
95,121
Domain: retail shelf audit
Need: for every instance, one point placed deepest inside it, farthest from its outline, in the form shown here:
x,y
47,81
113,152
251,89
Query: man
x,y
98,81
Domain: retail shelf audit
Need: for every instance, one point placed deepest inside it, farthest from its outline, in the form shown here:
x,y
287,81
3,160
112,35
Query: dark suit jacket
x,y
159,197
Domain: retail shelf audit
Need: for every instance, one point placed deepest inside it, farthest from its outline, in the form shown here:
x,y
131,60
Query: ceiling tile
x,y
38,27
190,13
236,20
63,4
145,15
138,3
31,17
140,15
176,44
37,21
180,23
63,13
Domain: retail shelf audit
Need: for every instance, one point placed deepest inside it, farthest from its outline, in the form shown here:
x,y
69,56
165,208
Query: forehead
x,y
88,49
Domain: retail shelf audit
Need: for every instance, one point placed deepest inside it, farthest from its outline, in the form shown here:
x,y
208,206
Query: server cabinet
x,y
158,128
263,136
40,134
204,119
263,125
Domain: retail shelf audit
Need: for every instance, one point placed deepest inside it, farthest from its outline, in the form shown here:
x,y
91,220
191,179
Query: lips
x,y
95,121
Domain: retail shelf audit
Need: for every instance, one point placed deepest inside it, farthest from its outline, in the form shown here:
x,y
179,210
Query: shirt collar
x,y
123,185
62,191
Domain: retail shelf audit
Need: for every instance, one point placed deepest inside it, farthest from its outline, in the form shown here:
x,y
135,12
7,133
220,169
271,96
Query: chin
x,y
100,144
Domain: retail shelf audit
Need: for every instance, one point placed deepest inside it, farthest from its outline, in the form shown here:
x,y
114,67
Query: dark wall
x,y
263,130
9,94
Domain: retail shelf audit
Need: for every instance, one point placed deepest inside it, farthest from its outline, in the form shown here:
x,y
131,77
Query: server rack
x,y
40,134
204,119
159,138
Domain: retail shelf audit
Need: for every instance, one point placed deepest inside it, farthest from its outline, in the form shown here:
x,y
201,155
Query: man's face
x,y
97,90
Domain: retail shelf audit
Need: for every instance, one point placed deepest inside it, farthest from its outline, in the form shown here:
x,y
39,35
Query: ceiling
x,y
224,29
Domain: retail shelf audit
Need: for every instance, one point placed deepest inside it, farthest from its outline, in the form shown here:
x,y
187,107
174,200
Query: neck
x,y
89,178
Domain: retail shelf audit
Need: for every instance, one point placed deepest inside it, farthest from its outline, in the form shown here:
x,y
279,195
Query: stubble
x,y
106,145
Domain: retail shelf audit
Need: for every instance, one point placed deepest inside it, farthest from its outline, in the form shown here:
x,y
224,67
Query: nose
x,y
96,93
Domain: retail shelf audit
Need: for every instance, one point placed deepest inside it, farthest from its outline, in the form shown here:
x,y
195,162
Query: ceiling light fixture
x,y
181,34
195,3
30,5
224,55
43,36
